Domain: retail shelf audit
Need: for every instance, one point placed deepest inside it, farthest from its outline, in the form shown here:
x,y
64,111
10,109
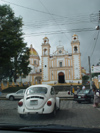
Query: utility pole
x,y
90,72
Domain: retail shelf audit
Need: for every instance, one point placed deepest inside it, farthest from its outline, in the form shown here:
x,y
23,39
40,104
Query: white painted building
x,y
61,67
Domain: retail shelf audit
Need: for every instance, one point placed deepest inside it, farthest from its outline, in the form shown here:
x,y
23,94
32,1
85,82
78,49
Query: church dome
x,y
74,35
45,38
33,52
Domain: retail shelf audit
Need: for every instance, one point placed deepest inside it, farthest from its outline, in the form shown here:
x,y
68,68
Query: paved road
x,y
71,114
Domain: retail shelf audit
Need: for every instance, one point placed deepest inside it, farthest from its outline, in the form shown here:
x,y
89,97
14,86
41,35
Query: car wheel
x,y
21,115
11,98
26,116
91,100
58,108
79,101
54,111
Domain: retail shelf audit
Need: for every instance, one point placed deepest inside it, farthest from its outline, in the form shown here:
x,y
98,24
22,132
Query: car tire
x,y
79,101
54,111
26,116
21,115
91,100
11,98
59,105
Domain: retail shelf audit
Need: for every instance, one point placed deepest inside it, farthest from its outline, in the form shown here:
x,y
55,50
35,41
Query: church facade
x,y
58,68
61,67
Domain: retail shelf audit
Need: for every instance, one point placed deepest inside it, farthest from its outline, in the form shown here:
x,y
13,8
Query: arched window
x,y
45,51
75,49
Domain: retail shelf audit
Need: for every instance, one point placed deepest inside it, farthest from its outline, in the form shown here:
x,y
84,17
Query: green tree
x,y
21,62
85,78
12,46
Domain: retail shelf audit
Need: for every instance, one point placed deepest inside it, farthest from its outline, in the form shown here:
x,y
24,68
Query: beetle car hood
x,y
35,101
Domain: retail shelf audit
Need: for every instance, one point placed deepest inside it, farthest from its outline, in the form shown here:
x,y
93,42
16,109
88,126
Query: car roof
x,y
21,89
41,85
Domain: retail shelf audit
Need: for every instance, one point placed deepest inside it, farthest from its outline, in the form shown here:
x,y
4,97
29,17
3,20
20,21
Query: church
x,y
61,67
57,68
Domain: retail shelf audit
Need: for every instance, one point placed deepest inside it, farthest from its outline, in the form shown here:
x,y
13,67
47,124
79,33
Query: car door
x,y
90,95
19,94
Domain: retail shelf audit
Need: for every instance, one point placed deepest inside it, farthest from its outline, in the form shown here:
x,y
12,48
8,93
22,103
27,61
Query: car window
x,y
24,91
20,91
84,92
36,90
52,91
91,92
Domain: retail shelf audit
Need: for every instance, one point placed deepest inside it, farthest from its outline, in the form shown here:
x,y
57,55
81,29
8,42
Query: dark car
x,y
84,95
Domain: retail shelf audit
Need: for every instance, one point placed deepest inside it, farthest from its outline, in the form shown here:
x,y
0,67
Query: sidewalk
x,y
65,95
3,96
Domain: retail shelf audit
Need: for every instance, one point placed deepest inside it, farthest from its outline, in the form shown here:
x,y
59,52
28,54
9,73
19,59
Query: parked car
x,y
84,95
40,99
17,95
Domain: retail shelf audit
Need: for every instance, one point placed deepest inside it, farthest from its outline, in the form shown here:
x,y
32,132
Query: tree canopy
x,y
85,78
14,54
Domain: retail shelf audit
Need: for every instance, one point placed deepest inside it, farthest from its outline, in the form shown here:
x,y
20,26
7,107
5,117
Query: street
x,y
71,114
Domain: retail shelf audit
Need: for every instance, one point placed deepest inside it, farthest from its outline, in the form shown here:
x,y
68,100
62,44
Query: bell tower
x,y
45,60
76,57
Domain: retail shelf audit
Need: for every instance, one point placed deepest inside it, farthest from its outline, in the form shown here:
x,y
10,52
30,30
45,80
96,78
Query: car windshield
x,y
49,60
84,91
36,90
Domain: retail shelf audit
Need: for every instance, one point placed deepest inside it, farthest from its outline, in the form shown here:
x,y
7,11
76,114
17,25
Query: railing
x,y
61,67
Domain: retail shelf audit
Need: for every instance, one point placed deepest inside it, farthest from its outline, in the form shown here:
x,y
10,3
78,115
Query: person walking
x,y
83,87
78,89
71,89
0,91
96,97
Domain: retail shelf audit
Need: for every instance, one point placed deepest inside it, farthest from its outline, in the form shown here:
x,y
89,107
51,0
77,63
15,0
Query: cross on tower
x,y
59,42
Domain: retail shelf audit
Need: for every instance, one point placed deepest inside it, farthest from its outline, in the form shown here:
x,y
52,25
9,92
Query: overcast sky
x,y
59,20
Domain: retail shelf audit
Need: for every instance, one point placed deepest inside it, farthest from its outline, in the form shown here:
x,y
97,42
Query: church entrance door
x,y
61,77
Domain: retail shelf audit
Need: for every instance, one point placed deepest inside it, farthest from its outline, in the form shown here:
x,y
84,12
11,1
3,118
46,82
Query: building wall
x,y
71,63
45,68
76,62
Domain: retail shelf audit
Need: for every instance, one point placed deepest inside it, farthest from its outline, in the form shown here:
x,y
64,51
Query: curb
x,y
66,98
61,98
3,98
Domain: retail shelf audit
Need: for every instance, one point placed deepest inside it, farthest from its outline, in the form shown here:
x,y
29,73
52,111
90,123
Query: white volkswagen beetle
x,y
39,99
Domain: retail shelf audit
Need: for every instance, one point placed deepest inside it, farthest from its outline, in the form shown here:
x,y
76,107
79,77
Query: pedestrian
x,y
96,97
78,89
0,91
71,89
83,87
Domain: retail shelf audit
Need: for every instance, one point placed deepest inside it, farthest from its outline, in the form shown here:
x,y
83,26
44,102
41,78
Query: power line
x,y
39,10
32,9
52,17
59,32
95,43
88,50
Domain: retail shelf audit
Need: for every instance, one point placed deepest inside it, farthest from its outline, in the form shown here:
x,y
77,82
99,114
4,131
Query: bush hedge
x,y
12,89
